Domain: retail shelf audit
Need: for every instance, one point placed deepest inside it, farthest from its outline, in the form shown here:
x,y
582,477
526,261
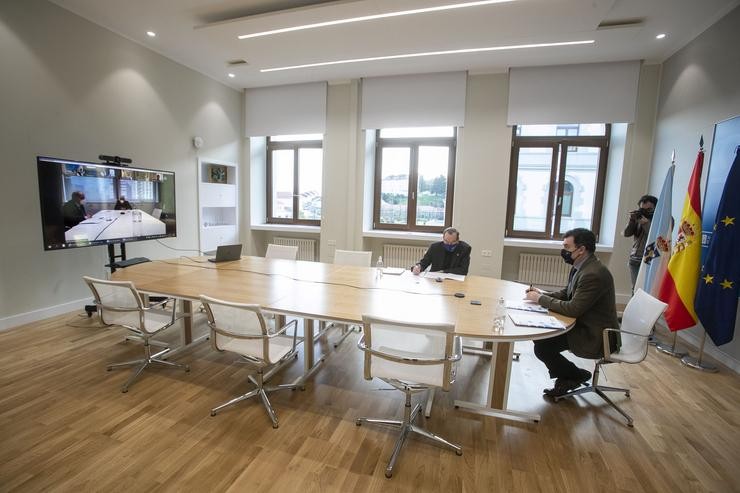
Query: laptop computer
x,y
224,253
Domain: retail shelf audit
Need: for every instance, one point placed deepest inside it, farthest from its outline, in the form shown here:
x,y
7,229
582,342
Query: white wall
x,y
700,86
72,89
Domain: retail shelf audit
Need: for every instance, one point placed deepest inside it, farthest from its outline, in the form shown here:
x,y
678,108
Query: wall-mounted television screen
x,y
86,204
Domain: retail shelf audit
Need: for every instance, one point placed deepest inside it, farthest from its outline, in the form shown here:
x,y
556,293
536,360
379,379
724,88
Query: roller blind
x,y
286,110
425,100
586,93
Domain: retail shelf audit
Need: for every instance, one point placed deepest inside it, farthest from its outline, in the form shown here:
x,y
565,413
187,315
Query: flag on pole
x,y
658,248
719,284
679,283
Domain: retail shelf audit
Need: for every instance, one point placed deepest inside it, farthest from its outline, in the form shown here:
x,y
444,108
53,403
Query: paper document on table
x,y
542,321
447,275
394,271
525,306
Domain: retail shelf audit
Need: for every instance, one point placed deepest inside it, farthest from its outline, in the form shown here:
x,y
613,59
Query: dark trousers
x,y
548,351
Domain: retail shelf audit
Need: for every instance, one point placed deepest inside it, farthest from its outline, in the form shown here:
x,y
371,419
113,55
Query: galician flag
x,y
719,284
658,245
679,283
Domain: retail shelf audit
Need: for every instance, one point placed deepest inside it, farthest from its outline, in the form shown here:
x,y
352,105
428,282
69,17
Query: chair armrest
x,y
402,359
605,335
155,306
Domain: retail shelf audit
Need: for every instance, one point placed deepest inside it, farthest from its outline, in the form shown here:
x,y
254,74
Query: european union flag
x,y
719,282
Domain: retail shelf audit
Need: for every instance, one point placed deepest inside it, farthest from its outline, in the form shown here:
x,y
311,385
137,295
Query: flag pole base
x,y
670,349
697,364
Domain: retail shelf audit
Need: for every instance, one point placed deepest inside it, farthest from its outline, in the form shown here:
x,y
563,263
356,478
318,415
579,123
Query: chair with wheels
x,y
241,329
411,358
638,319
119,303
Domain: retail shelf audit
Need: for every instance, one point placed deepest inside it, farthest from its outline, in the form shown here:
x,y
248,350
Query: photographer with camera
x,y
638,227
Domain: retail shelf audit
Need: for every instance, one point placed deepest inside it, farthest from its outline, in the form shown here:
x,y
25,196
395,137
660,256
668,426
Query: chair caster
x,y
358,422
213,413
458,452
627,394
123,391
274,427
187,369
389,475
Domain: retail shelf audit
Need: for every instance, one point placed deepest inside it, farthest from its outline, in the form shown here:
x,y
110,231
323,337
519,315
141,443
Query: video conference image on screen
x,y
86,204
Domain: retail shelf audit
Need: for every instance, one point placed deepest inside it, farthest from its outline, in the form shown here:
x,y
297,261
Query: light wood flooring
x,y
65,425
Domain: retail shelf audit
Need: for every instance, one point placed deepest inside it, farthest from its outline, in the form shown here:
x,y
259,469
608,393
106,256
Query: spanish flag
x,y
679,283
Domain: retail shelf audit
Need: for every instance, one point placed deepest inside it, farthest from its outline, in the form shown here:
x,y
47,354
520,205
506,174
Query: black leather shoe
x,y
565,385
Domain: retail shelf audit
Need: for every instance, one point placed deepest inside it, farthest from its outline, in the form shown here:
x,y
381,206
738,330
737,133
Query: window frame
x,y
560,146
295,146
413,143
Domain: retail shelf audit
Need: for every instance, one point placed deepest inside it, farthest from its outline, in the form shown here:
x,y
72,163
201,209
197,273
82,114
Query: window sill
x,y
548,244
286,228
401,235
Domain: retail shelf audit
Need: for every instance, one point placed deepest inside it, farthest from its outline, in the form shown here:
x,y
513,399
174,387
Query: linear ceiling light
x,y
373,17
430,53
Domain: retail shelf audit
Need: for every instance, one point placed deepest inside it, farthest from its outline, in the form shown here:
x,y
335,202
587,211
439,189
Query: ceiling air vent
x,y
620,23
235,63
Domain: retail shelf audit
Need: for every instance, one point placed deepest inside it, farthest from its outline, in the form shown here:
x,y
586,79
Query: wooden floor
x,y
65,426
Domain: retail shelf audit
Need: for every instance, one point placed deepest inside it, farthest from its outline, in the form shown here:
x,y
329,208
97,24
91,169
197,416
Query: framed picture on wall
x,y
218,174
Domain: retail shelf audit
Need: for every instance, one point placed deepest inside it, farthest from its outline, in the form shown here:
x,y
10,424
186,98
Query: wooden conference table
x,y
341,293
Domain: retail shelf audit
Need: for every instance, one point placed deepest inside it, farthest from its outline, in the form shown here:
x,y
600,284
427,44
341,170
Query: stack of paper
x,y
542,321
526,306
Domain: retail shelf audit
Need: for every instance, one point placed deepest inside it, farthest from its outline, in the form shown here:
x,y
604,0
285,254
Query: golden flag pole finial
x,y
673,157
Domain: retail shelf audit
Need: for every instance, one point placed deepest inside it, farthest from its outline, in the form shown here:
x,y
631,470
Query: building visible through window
x,y
294,177
557,179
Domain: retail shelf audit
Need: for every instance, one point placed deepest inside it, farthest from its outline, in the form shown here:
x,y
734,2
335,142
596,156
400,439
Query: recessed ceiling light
x,y
660,36
232,75
151,34
373,17
430,53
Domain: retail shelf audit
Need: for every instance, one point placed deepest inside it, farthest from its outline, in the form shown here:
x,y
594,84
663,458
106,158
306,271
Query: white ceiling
x,y
202,34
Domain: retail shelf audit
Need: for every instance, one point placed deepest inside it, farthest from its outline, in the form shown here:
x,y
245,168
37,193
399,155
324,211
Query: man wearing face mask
x,y
122,204
449,255
73,210
589,298
638,227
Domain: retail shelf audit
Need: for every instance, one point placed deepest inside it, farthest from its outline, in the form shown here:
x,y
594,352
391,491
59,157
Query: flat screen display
x,y
86,204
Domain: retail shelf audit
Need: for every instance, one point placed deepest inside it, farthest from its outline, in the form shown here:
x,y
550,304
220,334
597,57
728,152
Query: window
x,y
414,178
557,179
294,164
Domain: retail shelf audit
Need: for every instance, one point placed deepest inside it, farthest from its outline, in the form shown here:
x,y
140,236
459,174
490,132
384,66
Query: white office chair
x,y
282,251
638,319
240,328
349,257
412,358
119,303
156,213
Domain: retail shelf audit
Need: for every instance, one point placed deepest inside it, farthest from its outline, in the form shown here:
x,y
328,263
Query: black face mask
x,y
567,256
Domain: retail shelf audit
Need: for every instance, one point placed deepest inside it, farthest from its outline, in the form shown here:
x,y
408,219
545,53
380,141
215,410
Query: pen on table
x,y
531,288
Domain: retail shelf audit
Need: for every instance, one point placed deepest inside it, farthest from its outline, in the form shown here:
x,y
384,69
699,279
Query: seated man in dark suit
x,y
449,255
122,204
589,298
73,210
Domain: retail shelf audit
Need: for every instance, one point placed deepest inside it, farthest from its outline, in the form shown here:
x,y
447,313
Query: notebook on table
x,y
225,253
535,320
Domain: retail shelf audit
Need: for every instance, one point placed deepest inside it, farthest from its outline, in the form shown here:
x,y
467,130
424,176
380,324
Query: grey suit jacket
x,y
591,301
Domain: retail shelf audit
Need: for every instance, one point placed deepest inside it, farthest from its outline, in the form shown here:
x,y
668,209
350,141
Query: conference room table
x,y
316,291
113,224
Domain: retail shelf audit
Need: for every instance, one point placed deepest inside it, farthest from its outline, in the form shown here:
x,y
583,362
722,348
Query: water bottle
x,y
379,267
499,315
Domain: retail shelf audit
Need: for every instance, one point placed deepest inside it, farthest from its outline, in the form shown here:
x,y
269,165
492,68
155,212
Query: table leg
x,y
309,364
187,321
498,388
